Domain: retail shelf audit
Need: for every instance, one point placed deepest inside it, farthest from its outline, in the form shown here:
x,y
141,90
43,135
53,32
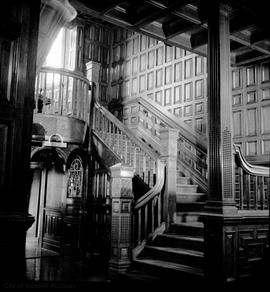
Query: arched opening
x,y
46,200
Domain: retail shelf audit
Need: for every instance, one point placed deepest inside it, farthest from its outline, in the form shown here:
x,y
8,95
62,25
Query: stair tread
x,y
194,203
187,224
171,265
186,185
176,250
189,212
191,193
178,236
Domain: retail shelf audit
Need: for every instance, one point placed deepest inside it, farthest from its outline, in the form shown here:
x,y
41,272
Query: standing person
x,y
40,101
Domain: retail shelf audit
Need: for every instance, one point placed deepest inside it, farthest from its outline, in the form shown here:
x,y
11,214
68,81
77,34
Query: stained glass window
x,y
75,178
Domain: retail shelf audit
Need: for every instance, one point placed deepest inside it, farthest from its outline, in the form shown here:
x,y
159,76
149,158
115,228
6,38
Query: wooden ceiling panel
x,y
182,23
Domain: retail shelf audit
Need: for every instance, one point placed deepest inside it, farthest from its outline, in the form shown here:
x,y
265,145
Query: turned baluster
x,y
139,232
145,221
152,215
246,178
260,192
241,188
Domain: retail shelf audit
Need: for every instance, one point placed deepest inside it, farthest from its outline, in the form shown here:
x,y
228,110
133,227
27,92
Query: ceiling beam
x,y
153,12
179,26
249,57
199,38
240,22
259,36
235,46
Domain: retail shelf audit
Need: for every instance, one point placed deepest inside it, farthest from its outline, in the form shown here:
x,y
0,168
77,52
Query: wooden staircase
x,y
162,251
179,251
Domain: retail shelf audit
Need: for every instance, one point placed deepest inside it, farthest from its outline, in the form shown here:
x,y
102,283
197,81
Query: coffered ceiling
x,y
183,23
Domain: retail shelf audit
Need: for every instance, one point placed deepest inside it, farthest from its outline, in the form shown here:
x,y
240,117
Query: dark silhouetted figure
x,y
40,101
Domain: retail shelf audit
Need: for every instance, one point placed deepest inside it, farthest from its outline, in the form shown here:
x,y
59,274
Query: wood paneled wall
x,y
177,80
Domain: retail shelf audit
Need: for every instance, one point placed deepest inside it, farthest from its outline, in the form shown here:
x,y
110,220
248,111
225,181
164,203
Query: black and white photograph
x,y
135,144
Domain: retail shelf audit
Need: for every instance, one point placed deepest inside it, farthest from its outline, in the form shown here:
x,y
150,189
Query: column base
x,y
228,241
222,208
116,268
13,228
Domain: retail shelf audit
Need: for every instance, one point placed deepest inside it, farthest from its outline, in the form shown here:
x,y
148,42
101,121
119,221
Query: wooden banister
x,y
252,183
148,210
64,92
250,168
170,120
126,145
192,146
155,190
148,213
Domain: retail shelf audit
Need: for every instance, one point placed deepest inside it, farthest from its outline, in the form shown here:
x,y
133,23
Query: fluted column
x,y
220,148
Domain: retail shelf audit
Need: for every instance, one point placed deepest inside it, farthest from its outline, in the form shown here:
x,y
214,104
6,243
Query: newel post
x,y
93,73
168,141
121,224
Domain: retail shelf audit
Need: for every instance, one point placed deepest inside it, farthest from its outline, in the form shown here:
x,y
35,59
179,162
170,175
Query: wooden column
x,y
220,148
220,235
93,73
168,142
18,42
122,198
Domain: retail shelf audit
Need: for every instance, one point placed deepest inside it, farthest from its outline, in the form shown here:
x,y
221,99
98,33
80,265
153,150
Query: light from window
x,y
63,51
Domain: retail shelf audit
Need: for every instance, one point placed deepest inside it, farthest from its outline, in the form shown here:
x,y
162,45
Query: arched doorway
x,y
58,200
46,201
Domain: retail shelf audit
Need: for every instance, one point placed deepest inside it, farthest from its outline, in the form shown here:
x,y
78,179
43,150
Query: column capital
x,y
225,8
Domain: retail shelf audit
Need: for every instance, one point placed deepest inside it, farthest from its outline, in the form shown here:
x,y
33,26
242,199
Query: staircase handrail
x,y
251,183
152,153
249,168
170,120
192,146
156,190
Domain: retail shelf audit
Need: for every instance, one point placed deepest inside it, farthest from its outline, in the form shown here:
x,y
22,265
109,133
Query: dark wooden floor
x,y
45,269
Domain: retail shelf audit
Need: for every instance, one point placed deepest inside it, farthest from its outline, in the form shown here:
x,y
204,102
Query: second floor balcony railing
x,y
62,92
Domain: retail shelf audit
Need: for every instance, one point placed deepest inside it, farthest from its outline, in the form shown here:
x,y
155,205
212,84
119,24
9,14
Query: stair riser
x,y
183,180
164,273
190,197
186,189
193,207
184,259
187,230
187,218
178,242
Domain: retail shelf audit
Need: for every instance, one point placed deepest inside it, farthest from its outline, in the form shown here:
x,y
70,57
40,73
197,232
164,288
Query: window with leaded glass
x,y
75,179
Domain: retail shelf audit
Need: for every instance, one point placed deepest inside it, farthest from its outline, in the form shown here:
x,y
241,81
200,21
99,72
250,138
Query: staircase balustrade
x,y
149,211
252,184
64,93
251,181
192,153
129,148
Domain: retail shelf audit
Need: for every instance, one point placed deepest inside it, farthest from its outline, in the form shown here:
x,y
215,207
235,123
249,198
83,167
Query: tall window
x,y
63,51
75,179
